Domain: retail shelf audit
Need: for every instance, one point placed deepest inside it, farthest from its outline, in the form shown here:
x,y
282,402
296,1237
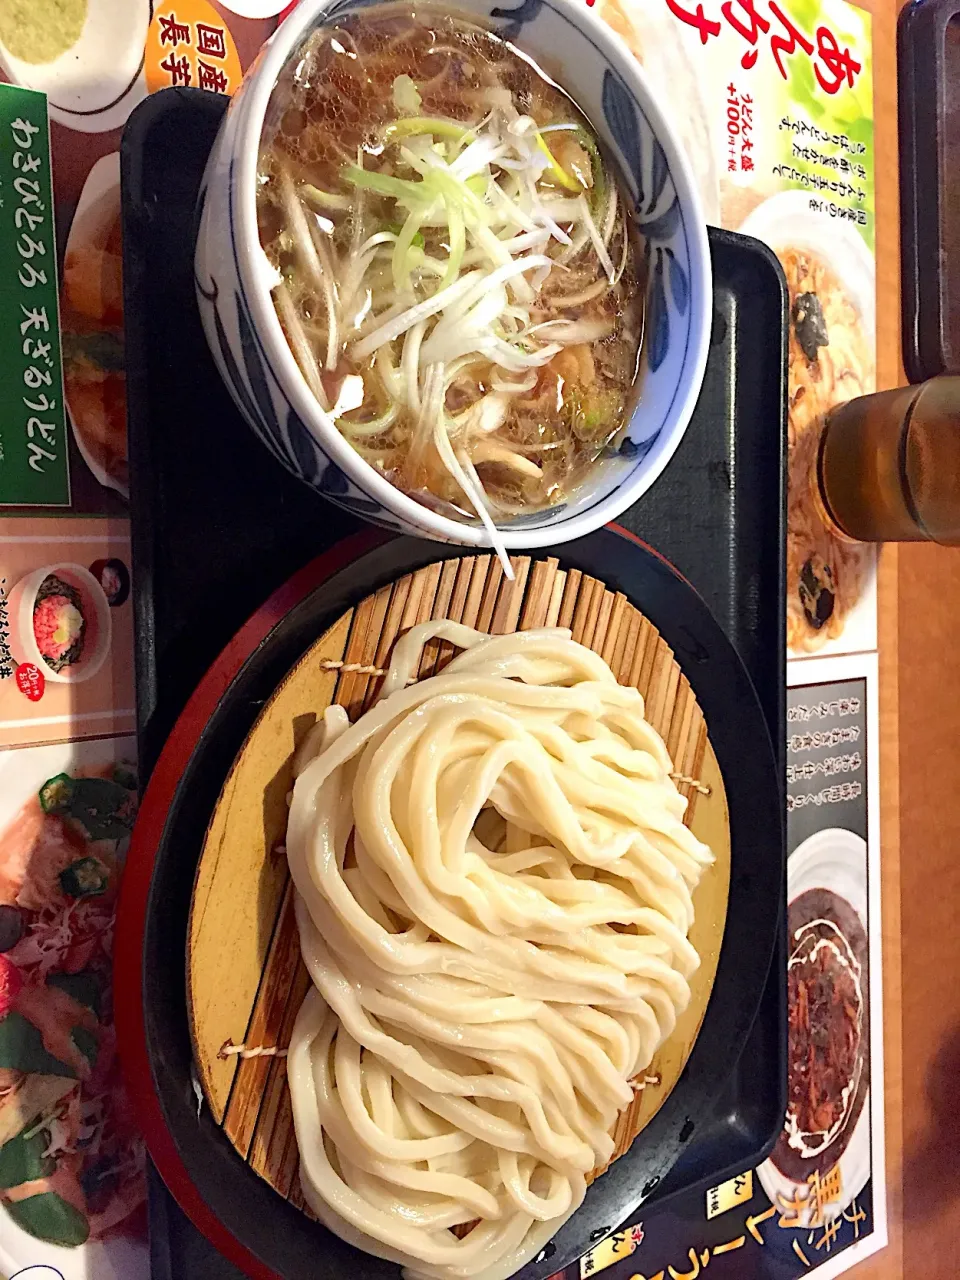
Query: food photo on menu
x,y
66,627
436,936
71,1158
95,62
823,1156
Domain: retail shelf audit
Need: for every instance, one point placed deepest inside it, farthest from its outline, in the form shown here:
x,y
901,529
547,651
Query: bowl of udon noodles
x,y
452,266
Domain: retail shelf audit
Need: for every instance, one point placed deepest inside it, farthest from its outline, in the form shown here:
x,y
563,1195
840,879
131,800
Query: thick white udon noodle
x,y
476,1017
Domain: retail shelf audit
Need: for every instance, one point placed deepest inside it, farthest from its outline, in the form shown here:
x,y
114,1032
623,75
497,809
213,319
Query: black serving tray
x,y
218,525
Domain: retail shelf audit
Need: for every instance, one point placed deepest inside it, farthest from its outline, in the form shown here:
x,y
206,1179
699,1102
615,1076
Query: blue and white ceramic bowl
x,y
233,278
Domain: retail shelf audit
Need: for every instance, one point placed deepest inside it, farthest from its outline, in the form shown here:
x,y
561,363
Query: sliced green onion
x,y
514,360
300,343
435,126
443,183
491,412
401,252
597,239
519,387
393,229
406,95
478,499
382,183
458,242
501,203
390,376
392,307
410,364
473,490
560,301
300,231
610,217
572,331
557,171
401,323
494,451
318,199
431,410
477,158
563,208
425,263
374,427
420,160
509,271
589,145
316,257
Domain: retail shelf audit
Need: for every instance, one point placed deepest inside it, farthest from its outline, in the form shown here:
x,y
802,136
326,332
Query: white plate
x,y
786,221
96,83
119,1258
255,8
835,859
24,770
97,208
854,1173
41,1272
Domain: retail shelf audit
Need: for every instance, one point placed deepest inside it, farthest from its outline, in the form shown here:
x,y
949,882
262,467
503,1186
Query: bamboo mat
x,y
244,976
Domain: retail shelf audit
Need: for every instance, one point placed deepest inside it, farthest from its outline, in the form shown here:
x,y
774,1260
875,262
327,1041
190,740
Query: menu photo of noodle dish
x,y
71,1161
831,282
822,1159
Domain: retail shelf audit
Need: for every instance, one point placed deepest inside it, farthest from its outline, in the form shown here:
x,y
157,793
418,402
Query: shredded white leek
x,y
501,216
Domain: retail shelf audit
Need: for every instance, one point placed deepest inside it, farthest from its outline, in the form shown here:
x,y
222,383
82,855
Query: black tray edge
x,y
144,116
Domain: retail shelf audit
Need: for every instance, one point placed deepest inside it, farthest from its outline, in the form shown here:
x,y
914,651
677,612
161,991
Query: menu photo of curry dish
x,y
831,359
826,1133
71,1162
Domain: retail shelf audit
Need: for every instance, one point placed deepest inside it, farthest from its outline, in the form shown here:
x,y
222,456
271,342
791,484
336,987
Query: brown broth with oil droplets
x,y
526,422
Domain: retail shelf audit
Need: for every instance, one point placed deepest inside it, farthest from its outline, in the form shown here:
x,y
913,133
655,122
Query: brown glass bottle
x,y
889,465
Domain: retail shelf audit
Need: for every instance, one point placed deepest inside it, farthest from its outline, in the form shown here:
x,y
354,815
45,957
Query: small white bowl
x,y
233,279
96,612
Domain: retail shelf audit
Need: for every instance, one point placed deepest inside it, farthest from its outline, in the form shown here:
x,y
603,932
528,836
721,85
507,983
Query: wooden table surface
x,y
919,608
889,1264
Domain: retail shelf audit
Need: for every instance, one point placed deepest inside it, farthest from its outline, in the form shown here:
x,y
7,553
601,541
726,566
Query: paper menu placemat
x,y
776,115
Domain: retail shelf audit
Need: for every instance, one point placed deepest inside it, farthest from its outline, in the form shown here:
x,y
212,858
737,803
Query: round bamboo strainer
x,y
245,980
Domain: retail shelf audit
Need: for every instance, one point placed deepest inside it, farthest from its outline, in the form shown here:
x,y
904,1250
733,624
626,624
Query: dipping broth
x,y
457,270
